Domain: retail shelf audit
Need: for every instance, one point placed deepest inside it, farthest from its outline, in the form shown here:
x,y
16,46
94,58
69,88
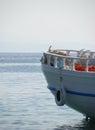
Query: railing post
x,y
55,62
87,65
73,64
64,60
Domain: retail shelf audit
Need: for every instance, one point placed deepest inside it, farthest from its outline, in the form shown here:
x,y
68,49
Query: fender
x,y
60,96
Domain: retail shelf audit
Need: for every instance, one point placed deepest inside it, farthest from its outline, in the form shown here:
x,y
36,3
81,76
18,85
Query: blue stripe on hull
x,y
51,88
74,92
80,93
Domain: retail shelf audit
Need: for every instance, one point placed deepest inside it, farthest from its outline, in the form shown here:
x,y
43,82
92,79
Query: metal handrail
x,y
63,59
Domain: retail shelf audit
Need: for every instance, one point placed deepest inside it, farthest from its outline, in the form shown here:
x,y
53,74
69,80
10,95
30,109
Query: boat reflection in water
x,y
83,125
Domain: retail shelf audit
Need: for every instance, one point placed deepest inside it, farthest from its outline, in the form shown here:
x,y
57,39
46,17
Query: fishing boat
x,y
70,75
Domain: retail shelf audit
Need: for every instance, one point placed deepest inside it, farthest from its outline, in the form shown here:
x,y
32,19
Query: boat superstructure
x,y
70,75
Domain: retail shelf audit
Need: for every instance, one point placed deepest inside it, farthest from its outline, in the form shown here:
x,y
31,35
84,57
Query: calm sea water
x,y
25,101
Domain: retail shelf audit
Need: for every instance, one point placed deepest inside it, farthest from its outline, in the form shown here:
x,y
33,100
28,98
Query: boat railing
x,y
69,62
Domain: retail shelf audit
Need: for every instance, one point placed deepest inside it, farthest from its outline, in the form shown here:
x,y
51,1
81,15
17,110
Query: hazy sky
x,y
33,25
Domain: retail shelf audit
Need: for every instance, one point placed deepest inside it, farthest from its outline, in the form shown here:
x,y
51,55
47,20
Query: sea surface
x,y
25,101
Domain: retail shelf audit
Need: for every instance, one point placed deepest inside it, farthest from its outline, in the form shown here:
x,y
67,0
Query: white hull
x,y
71,78
79,88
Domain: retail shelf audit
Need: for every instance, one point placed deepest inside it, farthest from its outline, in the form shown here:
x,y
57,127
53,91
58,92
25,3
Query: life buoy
x,y
60,96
